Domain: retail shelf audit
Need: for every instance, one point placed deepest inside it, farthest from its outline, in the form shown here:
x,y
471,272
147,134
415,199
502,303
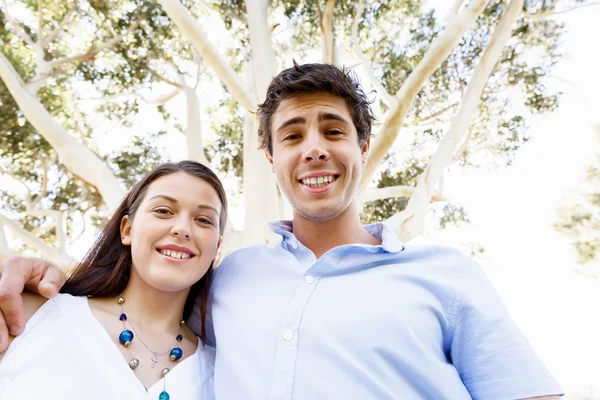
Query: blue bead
x,y
126,336
164,396
123,317
179,338
176,354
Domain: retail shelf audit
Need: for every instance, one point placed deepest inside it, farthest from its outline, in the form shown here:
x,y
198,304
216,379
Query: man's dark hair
x,y
315,78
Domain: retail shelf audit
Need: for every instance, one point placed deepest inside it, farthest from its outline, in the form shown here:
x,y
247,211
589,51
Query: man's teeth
x,y
175,254
320,181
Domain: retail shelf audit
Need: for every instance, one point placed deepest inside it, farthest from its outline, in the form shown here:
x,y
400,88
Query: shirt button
x,y
288,335
293,244
309,279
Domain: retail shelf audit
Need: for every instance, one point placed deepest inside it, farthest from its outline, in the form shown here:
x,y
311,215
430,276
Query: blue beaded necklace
x,y
126,337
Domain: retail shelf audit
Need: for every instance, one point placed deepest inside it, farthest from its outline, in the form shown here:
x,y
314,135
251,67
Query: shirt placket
x,y
287,343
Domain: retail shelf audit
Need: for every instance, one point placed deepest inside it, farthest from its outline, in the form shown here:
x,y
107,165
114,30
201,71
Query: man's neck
x,y
322,236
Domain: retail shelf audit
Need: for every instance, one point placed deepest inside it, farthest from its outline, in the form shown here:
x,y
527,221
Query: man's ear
x,y
364,151
126,231
270,160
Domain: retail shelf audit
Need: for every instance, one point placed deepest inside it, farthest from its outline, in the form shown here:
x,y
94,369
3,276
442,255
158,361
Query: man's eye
x,y
292,136
334,132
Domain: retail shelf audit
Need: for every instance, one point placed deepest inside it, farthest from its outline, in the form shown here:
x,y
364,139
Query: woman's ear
x,y
126,231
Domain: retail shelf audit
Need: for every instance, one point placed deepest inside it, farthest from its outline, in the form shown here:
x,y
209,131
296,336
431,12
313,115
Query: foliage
x,y
579,220
151,58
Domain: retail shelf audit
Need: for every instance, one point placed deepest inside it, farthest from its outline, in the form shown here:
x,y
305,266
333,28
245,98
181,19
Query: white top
x,y
65,353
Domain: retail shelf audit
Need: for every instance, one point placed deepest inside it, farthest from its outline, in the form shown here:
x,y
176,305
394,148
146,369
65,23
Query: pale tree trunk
x,y
439,50
193,130
410,222
80,160
260,190
327,32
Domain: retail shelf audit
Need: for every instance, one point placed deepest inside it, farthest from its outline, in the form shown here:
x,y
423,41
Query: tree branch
x,y
327,32
191,29
410,222
394,191
78,158
44,189
552,13
390,100
94,50
55,32
40,23
434,115
165,80
161,100
464,147
4,247
16,25
47,252
453,12
439,50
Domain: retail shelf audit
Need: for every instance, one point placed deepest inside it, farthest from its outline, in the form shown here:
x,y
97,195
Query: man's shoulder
x,y
436,254
245,254
242,258
440,260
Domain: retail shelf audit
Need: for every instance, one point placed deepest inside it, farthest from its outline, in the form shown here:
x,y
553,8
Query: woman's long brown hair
x,y
105,270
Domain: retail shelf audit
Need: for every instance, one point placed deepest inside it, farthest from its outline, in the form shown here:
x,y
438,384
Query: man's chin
x,y
319,214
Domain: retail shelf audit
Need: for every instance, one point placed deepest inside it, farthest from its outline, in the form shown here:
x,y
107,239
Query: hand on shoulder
x,y
31,303
18,274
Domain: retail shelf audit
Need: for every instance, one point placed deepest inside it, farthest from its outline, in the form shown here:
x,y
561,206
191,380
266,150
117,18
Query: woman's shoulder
x,y
37,307
32,302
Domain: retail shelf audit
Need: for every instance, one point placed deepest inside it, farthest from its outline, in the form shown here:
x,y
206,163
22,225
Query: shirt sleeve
x,y
492,356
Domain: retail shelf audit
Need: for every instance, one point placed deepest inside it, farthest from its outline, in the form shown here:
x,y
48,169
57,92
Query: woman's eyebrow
x,y
173,200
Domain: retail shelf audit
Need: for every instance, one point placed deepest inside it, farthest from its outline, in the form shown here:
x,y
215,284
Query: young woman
x,y
118,329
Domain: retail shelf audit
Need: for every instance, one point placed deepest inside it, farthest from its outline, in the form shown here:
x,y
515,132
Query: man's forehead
x,y
321,103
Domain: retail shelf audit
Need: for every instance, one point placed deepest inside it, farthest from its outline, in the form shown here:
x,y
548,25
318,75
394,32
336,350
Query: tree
x,y
443,84
579,220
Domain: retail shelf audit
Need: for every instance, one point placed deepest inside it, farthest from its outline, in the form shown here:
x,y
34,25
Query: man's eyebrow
x,y
332,117
292,121
171,199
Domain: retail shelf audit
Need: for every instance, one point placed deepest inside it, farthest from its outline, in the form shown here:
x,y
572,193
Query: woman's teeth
x,y
317,182
175,254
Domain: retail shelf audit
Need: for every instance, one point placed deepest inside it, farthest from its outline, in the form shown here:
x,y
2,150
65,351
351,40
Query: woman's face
x,y
174,235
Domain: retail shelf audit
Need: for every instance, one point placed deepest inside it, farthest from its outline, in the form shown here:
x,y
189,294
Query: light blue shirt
x,y
365,322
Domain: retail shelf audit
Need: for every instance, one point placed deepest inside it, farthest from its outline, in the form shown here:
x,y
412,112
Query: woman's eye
x,y
162,211
204,220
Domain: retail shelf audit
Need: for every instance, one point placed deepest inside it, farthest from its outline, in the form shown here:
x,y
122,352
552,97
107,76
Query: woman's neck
x,y
153,309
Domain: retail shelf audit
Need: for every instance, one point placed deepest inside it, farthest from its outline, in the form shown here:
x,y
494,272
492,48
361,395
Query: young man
x,y
338,310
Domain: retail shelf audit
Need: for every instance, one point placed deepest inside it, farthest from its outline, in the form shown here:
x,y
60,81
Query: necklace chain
x,y
142,342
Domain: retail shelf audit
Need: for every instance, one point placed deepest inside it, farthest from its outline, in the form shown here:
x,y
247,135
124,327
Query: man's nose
x,y
316,148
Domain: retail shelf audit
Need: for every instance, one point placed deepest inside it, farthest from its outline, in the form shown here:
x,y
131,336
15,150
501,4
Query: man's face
x,y
316,156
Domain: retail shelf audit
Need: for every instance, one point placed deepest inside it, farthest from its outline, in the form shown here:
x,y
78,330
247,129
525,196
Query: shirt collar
x,y
390,243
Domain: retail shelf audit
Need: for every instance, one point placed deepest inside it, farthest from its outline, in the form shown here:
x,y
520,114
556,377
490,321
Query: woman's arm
x,y
31,303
